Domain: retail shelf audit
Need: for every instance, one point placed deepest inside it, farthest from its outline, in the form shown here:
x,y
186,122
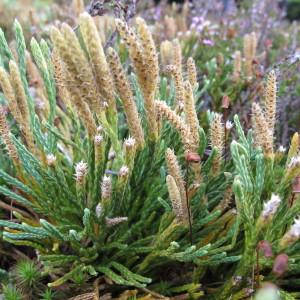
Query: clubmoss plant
x,y
116,186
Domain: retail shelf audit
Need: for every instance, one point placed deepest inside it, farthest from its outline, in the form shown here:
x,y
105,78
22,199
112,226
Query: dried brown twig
x,y
125,10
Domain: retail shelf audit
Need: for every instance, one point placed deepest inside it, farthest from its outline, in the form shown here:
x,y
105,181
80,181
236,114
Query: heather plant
x,y
121,188
220,39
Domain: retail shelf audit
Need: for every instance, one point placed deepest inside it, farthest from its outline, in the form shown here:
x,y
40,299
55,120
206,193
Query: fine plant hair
x,y
6,138
10,96
250,45
97,57
183,129
270,100
217,136
191,114
175,197
122,190
176,173
237,66
192,72
125,93
177,59
166,53
176,74
143,54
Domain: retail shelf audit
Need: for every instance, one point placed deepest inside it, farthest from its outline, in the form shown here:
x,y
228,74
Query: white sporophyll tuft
x,y
115,221
292,235
111,155
98,139
38,254
99,129
281,149
271,206
106,188
294,162
180,105
295,229
98,210
124,171
50,159
229,125
81,170
129,142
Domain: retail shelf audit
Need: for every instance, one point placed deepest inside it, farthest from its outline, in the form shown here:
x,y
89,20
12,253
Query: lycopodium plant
x,y
114,180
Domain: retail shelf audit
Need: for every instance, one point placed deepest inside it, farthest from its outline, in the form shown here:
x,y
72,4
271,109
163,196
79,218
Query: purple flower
x,y
208,42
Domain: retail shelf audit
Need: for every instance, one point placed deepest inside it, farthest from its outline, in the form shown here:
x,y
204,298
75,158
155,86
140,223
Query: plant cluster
x,y
216,37
127,183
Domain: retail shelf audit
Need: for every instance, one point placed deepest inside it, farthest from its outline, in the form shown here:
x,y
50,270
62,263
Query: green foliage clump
x,y
95,207
11,293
